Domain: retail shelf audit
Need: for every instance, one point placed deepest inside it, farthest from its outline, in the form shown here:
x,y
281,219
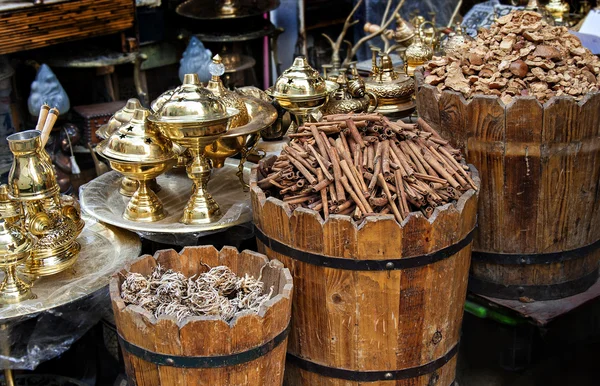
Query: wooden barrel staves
x,y
538,219
378,304
205,350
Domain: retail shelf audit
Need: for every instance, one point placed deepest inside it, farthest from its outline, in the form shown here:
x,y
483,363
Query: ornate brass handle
x,y
373,97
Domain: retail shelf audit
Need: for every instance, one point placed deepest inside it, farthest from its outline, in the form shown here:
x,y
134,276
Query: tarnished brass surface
x,y
104,250
100,199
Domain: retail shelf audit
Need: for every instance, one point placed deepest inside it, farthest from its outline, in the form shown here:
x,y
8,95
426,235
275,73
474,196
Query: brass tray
x,y
101,199
104,250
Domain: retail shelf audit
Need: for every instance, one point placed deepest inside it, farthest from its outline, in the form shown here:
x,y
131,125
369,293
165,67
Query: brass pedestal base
x,y
13,289
201,207
50,262
144,206
129,186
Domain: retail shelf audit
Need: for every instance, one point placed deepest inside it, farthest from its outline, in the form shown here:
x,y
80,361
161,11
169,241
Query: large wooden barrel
x,y
205,350
538,218
377,304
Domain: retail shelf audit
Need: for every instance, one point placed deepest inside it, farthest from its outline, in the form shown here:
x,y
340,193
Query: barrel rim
x,y
458,206
420,83
286,290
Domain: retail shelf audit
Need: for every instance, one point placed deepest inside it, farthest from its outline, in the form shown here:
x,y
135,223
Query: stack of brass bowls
x,y
394,90
244,133
140,152
194,118
121,117
301,90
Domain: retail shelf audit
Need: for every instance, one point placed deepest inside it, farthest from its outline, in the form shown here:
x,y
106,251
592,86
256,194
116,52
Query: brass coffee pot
x,y
56,225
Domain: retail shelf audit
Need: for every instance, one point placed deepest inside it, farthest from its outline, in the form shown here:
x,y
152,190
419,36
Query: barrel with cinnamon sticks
x,y
374,218
538,232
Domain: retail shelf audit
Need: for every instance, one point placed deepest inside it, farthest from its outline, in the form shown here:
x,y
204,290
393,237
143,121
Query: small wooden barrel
x,y
376,304
203,350
539,222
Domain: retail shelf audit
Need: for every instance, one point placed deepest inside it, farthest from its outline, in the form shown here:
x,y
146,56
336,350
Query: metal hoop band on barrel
x,y
204,361
534,258
373,376
363,265
536,292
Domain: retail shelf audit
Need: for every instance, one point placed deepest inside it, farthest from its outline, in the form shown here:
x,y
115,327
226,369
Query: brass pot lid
x,y
300,81
191,102
138,141
12,240
122,116
224,9
160,101
229,98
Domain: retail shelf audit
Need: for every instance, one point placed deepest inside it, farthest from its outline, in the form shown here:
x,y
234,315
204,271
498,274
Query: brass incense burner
x,y
394,90
121,117
351,96
301,90
194,118
141,153
54,222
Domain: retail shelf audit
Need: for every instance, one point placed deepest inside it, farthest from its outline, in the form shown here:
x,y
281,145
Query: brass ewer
x,y
15,249
55,225
301,90
140,152
194,118
417,54
394,90
245,129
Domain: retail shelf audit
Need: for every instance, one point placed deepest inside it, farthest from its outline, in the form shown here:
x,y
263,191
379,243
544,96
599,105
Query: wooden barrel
x,y
376,304
538,218
205,350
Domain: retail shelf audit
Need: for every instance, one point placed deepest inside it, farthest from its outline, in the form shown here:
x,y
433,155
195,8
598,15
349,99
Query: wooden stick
x,y
42,117
48,125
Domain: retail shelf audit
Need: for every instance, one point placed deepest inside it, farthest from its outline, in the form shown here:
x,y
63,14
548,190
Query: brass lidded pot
x,y
229,98
140,152
121,117
160,101
194,118
15,248
394,91
301,90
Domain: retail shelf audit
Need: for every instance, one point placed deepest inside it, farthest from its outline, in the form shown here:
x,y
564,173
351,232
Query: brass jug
x,y
31,176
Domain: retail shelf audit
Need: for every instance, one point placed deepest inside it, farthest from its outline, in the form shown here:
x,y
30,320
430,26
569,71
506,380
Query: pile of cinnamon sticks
x,y
365,164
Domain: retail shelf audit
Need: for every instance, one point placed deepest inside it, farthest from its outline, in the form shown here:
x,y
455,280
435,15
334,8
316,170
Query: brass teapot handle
x,y
373,97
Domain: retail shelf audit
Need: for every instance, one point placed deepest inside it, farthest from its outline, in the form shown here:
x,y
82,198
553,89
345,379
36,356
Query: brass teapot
x,y
394,90
351,96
